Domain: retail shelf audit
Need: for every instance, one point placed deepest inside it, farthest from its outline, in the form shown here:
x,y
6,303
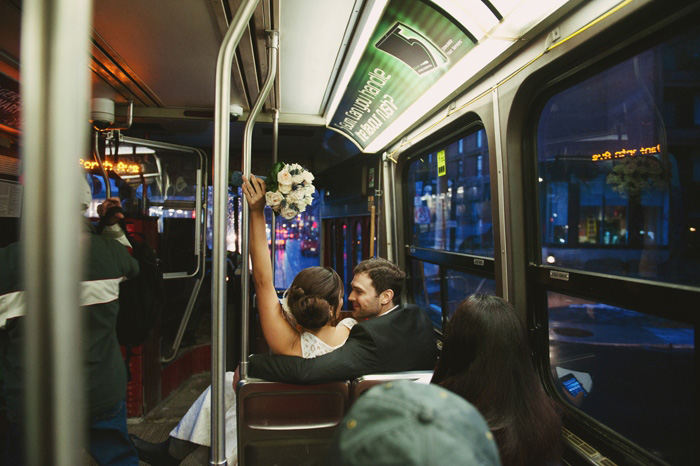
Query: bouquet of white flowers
x,y
632,176
289,189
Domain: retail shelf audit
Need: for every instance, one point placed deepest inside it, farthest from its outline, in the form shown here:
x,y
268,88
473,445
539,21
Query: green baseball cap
x,y
407,423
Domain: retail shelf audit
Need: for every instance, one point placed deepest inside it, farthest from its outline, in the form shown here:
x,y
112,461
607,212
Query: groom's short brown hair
x,y
385,275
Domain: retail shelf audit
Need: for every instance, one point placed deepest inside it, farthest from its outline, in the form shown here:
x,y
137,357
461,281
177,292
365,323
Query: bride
x,y
300,325
313,299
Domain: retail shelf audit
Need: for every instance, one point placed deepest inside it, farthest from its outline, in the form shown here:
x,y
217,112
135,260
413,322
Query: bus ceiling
x,y
361,68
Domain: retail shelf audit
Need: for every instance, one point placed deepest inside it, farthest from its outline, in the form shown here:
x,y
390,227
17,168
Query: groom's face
x,y
365,301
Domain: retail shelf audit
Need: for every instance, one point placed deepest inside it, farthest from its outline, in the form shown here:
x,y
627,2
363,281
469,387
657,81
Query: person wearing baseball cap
x,y
406,423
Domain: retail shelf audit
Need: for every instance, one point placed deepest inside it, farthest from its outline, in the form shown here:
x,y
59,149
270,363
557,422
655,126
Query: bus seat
x,y
364,383
284,424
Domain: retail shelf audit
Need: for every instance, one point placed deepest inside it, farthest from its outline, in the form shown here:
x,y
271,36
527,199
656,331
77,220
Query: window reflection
x,y
233,206
461,285
452,212
619,168
426,290
612,362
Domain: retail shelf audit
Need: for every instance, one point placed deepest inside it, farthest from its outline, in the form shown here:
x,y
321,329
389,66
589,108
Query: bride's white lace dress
x,y
195,426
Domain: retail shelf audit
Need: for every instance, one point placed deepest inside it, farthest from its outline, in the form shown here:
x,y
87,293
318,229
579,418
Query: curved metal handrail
x,y
272,49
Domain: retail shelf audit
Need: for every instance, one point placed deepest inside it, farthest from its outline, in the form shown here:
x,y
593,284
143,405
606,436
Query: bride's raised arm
x,y
281,337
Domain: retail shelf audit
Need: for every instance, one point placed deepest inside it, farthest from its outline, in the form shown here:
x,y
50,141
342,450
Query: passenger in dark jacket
x,y
108,264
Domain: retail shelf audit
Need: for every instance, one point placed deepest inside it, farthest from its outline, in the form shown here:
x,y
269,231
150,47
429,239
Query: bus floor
x,y
156,426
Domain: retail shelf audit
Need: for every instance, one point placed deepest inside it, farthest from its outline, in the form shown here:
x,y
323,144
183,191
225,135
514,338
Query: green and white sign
x,y
413,45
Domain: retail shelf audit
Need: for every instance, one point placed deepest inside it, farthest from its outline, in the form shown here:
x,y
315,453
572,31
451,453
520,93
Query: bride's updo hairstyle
x,y
314,295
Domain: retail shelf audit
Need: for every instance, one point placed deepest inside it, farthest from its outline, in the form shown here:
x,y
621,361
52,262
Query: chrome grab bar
x,y
272,49
55,89
222,112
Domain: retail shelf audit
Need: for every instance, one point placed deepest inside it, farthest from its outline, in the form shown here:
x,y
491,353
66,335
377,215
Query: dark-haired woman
x,y
486,359
300,325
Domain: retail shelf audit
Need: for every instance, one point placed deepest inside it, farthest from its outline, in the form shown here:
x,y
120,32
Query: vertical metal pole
x,y
273,224
275,134
98,157
220,184
389,216
501,196
199,190
55,89
372,219
272,49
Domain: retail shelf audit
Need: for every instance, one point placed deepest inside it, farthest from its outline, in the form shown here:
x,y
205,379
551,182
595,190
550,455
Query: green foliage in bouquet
x,y
271,181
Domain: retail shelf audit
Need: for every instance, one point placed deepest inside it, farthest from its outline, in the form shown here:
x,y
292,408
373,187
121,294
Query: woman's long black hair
x,y
486,359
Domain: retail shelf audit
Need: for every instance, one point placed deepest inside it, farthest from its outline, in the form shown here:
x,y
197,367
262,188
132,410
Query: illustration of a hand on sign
x,y
412,48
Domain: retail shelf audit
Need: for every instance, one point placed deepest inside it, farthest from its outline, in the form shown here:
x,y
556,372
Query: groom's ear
x,y
386,296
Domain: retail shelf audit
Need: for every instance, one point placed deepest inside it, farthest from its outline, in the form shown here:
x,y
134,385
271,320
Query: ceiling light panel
x,y
473,15
525,16
306,63
365,26
506,6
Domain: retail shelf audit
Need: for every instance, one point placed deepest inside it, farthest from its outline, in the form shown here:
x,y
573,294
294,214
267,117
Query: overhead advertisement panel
x,y
413,45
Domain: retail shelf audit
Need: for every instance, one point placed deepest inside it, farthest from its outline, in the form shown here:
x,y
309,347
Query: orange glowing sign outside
x,y
121,168
622,153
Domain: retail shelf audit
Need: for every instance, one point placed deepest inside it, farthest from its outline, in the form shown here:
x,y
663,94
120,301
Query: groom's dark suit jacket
x,y
402,340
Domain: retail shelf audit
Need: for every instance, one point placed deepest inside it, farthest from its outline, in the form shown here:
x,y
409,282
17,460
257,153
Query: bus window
x,y
450,191
296,244
611,362
617,182
234,206
357,243
461,285
332,242
426,290
619,169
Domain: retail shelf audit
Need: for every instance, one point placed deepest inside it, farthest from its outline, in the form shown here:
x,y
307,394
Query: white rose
x,y
273,199
310,189
308,199
301,205
297,179
284,177
288,212
308,177
284,188
294,166
297,195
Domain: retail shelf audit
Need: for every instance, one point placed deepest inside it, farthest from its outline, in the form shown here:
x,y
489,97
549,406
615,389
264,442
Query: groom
x,y
393,338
